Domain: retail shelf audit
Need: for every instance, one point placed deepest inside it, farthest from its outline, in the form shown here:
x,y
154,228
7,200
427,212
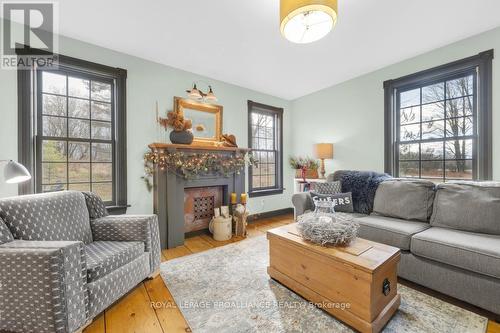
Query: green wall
x,y
351,114
147,83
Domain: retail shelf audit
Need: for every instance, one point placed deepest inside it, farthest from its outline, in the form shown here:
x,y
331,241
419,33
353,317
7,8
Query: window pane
x,y
432,169
459,169
53,151
53,173
433,129
460,87
433,93
79,152
433,111
54,126
433,150
78,108
79,128
410,115
54,83
101,130
410,132
102,152
53,188
256,181
101,91
101,111
459,149
102,172
410,98
82,187
409,152
54,105
271,180
104,190
459,127
271,157
408,169
79,172
78,87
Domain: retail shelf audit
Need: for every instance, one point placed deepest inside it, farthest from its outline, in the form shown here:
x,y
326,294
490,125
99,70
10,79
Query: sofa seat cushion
x,y
389,231
103,257
475,252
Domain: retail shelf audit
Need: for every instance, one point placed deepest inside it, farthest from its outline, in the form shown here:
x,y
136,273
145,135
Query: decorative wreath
x,y
327,229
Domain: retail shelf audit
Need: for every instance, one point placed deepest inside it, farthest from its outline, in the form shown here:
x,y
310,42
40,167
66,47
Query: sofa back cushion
x,y
468,206
58,216
5,234
405,199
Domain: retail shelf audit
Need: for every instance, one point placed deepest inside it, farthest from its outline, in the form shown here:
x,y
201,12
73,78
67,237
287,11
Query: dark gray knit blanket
x,y
363,186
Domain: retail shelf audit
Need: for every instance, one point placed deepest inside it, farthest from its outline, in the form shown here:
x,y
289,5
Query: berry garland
x,y
194,165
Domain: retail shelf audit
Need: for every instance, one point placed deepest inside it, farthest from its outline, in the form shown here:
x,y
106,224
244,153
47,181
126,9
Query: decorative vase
x,y
181,137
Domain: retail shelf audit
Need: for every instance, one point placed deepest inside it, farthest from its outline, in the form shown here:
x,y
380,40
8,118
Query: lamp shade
x,y
306,21
323,150
15,173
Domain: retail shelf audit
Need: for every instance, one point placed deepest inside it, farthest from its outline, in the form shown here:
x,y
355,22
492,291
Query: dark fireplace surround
x,y
169,190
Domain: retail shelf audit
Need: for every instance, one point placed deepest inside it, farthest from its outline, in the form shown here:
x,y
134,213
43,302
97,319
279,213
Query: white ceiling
x,y
238,41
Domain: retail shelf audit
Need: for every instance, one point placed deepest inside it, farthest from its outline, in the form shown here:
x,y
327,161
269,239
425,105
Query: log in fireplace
x,y
175,197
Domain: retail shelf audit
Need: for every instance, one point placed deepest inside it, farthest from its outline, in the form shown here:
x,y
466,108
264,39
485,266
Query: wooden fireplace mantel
x,y
168,146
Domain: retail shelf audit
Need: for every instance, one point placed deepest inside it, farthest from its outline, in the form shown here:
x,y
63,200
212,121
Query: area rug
x,y
227,289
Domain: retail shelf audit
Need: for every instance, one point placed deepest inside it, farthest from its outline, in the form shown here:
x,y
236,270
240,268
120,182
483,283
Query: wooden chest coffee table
x,y
357,284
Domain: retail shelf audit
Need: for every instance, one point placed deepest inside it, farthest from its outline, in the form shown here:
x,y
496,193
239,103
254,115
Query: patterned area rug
x,y
227,289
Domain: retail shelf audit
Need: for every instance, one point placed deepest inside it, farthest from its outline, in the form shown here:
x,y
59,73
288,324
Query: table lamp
x,y
323,151
14,172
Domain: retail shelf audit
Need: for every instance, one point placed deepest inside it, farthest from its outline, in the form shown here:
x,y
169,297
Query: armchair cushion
x,y
95,205
103,257
131,228
58,216
45,276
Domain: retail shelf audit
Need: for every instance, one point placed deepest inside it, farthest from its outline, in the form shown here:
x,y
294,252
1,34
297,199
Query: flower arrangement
x,y
176,121
193,165
299,163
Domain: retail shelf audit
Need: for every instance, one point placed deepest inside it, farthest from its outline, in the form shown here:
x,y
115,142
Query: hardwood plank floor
x,y
151,308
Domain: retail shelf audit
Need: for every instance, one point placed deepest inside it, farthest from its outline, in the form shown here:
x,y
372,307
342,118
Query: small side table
x,y
301,186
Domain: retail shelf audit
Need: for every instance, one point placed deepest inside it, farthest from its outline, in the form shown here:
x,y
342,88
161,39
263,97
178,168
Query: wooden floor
x,y
150,308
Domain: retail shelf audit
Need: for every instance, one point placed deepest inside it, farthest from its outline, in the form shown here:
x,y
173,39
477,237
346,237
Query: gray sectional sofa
x,y
449,234
63,260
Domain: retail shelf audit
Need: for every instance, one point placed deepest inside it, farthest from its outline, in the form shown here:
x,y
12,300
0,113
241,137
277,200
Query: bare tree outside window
x,y
437,129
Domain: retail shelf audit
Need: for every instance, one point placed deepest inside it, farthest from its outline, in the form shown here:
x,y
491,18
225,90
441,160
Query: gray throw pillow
x,y
5,235
342,201
95,205
327,188
407,199
468,206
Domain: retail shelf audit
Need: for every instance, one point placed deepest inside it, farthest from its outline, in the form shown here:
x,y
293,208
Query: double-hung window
x,y
265,138
76,127
438,122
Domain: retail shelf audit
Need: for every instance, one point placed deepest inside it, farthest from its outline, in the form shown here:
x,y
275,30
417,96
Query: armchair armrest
x,y
42,286
142,228
301,202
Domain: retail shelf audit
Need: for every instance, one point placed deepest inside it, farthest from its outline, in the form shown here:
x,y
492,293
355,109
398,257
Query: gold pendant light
x,y
306,21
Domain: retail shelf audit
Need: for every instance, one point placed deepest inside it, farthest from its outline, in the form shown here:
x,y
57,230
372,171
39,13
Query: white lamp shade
x,y
15,173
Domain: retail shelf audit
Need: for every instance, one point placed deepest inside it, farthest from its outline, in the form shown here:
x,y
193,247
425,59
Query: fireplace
x,y
185,205
199,204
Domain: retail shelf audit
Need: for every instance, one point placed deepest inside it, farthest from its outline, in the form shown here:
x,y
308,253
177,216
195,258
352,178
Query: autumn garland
x,y
194,165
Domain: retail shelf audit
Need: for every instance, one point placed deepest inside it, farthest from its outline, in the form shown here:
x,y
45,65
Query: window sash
x,y
445,138
276,115
40,138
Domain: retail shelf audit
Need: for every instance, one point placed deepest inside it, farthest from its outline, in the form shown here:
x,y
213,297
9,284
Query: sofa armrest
x,y
141,228
43,286
301,202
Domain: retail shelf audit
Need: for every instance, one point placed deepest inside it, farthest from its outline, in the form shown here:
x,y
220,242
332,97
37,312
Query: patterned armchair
x,y
63,260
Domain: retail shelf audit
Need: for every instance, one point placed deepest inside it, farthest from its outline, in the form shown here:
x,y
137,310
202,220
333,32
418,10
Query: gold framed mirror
x,y
206,118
